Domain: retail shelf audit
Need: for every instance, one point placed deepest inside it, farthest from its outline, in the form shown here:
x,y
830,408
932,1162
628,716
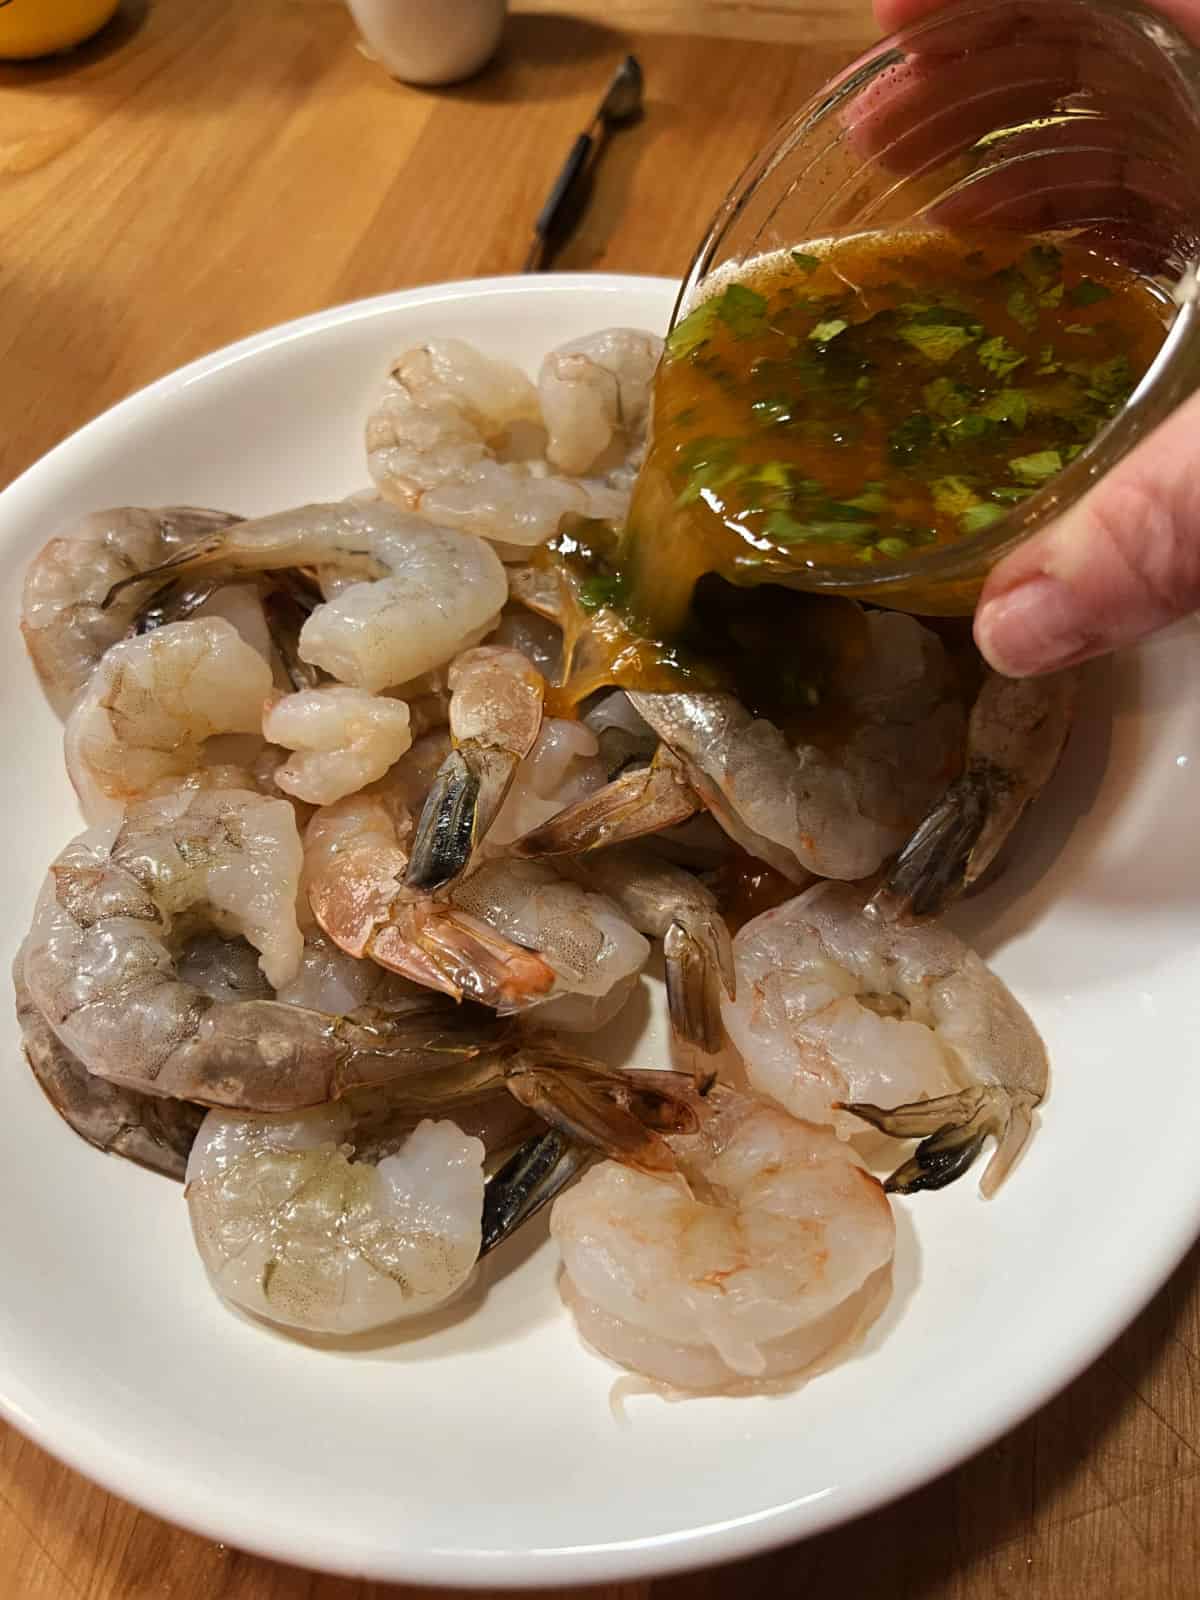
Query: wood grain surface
x,y
208,167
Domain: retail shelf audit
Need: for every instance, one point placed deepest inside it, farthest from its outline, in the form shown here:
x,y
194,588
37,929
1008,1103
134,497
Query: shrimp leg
x,y
952,1129
536,1173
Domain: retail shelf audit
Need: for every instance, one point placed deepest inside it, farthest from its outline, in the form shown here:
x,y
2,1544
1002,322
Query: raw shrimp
x,y
453,436
805,808
643,798
355,859
122,900
836,1010
495,716
538,639
664,901
292,1229
153,1132
1015,738
344,739
594,952
769,1248
565,766
64,616
150,705
596,390
402,596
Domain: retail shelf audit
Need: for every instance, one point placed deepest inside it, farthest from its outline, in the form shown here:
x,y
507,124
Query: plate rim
x,y
195,1507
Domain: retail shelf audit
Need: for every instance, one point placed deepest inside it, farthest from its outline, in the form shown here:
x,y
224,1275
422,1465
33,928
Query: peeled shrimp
x,y
495,716
319,1223
766,1250
593,951
64,616
837,1012
289,1227
153,1132
355,859
344,739
596,390
1015,738
402,596
150,705
564,767
101,964
668,903
804,808
454,436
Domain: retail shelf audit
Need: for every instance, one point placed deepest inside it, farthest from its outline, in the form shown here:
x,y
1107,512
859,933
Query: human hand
x,y
1125,560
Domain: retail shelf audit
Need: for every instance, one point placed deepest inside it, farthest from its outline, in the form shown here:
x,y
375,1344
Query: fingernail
x,y
1034,627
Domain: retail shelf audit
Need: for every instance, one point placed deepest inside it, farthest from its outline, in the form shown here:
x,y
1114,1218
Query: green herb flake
x,y
910,439
938,341
1088,293
892,546
1036,468
872,500
999,357
1110,381
976,518
1047,365
1021,308
687,337
953,496
1051,297
1042,266
708,463
803,262
1008,495
775,474
1008,405
1087,328
786,529
597,591
946,399
973,426
742,310
829,329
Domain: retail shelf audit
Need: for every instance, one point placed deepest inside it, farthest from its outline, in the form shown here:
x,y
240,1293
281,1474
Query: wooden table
x,y
205,169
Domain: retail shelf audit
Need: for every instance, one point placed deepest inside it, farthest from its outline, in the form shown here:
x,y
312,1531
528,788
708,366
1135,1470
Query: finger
x,y
1119,565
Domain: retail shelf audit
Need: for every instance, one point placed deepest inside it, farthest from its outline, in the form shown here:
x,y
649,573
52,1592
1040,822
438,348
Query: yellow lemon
x,y
38,27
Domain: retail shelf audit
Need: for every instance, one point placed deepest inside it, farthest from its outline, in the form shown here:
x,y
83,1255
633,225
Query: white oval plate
x,y
486,1451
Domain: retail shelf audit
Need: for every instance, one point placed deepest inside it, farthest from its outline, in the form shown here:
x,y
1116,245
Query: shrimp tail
x,y
460,955
698,964
935,866
536,1173
461,806
952,1129
638,802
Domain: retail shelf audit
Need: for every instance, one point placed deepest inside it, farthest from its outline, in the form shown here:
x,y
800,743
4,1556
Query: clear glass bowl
x,y
1059,118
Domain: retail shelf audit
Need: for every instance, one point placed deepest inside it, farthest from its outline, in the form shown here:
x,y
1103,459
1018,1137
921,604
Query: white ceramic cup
x,y
430,41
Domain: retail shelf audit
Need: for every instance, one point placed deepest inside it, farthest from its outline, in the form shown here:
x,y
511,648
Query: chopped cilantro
x,y
829,329
872,500
999,357
1042,265
973,426
953,495
938,341
1037,467
686,337
1021,308
707,464
1047,365
804,262
597,591
786,529
1008,405
1051,297
893,546
906,442
742,310
1081,327
946,399
976,518
1087,293
1111,381
1009,495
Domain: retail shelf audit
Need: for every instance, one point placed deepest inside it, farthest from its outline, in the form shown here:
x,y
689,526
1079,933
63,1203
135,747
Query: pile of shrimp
x,y
348,897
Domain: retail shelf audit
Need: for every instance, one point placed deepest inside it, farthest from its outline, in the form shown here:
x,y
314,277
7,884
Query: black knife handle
x,y
556,200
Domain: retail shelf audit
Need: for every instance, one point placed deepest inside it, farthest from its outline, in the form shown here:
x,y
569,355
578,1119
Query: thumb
x,y
1122,562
